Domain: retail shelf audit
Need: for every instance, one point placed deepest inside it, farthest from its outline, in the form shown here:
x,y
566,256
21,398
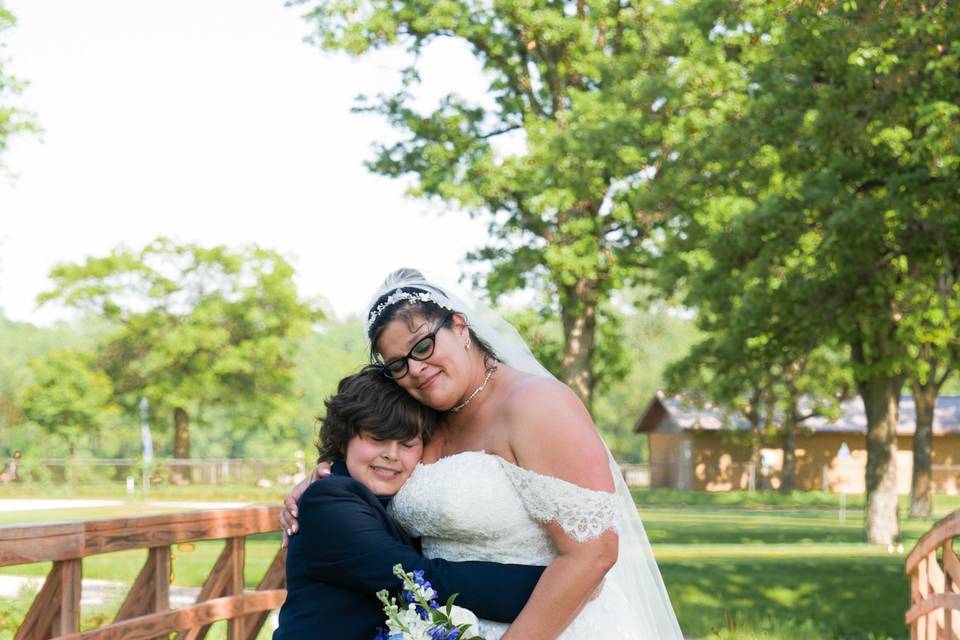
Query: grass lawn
x,y
768,566
737,565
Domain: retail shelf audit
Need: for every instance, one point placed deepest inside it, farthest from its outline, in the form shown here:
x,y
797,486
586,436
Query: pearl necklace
x,y
460,407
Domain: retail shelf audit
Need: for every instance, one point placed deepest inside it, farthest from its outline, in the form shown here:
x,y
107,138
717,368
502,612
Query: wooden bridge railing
x,y
935,585
146,613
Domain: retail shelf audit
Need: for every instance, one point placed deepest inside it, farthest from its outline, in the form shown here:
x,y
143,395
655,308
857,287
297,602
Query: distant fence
x,y
254,472
844,478
133,472
636,475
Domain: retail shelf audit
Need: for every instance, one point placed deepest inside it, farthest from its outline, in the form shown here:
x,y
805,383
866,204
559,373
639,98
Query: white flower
x,y
459,616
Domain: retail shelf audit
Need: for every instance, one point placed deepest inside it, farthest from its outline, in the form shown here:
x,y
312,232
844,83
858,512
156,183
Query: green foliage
x,y
818,208
543,333
578,85
650,342
19,343
68,398
633,350
335,350
827,198
13,118
208,330
641,347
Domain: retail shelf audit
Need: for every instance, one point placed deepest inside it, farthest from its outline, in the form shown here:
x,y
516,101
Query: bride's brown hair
x,y
410,312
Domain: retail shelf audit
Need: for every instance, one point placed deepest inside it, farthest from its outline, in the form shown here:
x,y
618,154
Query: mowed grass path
x,y
736,566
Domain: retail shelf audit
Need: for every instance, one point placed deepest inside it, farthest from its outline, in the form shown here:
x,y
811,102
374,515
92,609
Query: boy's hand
x,y
288,517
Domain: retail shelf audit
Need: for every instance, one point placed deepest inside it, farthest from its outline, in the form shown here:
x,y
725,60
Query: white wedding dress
x,y
477,506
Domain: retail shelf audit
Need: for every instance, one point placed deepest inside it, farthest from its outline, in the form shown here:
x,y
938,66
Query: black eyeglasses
x,y
399,367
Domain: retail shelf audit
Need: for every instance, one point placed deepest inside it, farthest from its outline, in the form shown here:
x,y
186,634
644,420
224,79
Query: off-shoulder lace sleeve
x,y
584,514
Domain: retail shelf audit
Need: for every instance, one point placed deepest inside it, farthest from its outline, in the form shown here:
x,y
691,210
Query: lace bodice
x,y
478,506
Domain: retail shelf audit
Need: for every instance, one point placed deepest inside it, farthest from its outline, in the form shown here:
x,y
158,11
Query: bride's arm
x,y
552,434
288,517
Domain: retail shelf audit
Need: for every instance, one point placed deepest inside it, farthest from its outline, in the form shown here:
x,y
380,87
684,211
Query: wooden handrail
x,y
934,612
932,603
945,529
62,541
145,613
187,618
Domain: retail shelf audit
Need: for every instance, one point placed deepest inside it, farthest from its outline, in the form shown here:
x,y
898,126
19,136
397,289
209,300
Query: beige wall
x,y
715,464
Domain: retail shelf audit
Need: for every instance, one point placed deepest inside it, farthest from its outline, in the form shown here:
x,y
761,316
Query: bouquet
x,y
419,617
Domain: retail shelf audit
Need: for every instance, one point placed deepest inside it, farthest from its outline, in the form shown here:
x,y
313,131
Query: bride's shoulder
x,y
539,410
529,396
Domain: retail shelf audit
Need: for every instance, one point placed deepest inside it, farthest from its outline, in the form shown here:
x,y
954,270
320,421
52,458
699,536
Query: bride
x,y
516,472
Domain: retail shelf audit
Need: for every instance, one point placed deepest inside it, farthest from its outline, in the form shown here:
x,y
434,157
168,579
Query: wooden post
x,y
947,587
225,579
56,609
235,547
70,597
150,592
274,578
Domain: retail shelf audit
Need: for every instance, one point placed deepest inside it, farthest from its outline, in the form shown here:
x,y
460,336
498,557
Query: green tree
x,y
832,167
633,351
20,342
577,84
199,329
336,349
935,347
774,396
13,119
69,398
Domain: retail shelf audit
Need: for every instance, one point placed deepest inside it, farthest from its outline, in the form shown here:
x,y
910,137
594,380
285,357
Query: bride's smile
x,y
424,359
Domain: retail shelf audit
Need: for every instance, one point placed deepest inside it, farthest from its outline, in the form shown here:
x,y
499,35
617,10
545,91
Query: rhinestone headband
x,y
400,295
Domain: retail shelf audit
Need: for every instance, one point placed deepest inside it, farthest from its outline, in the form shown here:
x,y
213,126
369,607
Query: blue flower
x,y
440,633
382,634
407,597
418,577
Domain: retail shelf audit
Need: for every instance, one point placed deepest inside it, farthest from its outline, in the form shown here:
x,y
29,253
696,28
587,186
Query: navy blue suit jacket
x,y
345,553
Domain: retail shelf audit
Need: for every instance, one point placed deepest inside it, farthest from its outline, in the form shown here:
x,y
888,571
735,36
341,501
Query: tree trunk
x,y
881,399
71,468
579,314
181,435
788,474
180,474
921,495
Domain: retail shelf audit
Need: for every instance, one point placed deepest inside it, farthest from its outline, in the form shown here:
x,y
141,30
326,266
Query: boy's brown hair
x,y
368,402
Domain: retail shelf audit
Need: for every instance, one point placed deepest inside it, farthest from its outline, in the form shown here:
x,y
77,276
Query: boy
x,y
373,435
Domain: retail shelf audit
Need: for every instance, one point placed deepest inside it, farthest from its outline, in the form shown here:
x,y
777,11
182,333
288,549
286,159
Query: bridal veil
x,y
636,569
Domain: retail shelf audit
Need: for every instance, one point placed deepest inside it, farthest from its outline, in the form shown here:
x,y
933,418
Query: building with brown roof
x,y
704,448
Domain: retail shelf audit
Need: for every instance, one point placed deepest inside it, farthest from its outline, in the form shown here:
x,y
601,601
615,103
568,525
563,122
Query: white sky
x,y
211,122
